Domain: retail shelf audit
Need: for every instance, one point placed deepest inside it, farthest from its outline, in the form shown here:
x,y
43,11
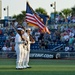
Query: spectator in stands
x,y
12,48
57,19
37,35
24,23
7,42
57,33
69,19
62,28
4,48
54,39
66,38
71,40
41,36
0,32
65,28
73,19
15,23
9,48
71,48
42,44
66,21
73,30
62,38
56,26
71,34
12,37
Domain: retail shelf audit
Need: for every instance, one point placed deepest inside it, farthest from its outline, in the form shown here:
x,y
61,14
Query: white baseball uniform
x,y
27,51
19,50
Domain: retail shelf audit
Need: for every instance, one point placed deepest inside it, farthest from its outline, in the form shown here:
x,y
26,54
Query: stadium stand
x,y
47,43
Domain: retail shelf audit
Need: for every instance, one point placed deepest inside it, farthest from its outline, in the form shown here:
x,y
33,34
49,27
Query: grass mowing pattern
x,y
39,67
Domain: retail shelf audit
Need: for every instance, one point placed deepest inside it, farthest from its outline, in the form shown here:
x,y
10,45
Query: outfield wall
x,y
52,55
49,55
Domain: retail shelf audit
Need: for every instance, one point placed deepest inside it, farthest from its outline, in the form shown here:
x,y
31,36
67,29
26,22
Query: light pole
x,y
7,8
54,7
7,16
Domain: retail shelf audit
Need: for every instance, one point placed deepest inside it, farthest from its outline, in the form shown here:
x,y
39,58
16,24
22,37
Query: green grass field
x,y
39,67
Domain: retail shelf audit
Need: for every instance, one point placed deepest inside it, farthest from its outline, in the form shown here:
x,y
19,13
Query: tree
x,y
61,14
66,12
41,11
20,16
24,13
73,11
14,16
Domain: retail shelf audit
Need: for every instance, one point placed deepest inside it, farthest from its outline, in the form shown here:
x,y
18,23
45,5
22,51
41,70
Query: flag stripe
x,y
39,19
40,23
31,18
32,24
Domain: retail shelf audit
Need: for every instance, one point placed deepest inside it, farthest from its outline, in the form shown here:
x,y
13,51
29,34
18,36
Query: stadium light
x,y
51,5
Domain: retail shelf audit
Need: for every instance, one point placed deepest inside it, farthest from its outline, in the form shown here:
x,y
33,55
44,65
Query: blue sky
x,y
16,6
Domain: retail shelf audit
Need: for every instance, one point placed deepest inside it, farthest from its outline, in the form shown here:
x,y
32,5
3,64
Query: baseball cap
x,y
20,29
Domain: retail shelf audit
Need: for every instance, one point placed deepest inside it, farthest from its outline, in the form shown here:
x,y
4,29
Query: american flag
x,y
33,19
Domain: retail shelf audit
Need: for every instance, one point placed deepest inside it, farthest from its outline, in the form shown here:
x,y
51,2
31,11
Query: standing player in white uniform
x,y
26,59
19,48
